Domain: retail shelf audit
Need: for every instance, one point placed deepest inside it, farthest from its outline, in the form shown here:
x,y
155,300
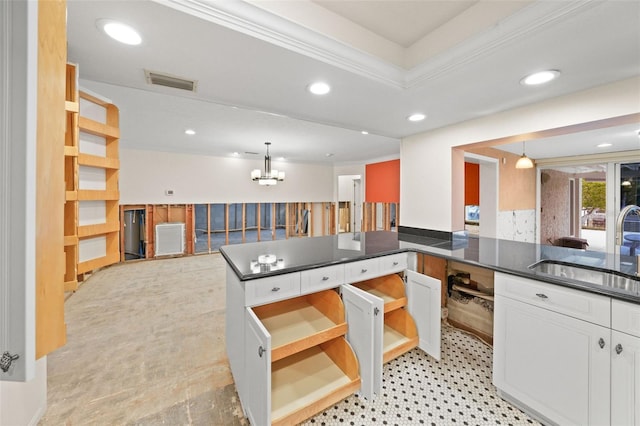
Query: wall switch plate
x,y
168,192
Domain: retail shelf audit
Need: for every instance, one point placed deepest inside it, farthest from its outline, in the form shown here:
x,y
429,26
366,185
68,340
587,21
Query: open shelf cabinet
x,y
302,361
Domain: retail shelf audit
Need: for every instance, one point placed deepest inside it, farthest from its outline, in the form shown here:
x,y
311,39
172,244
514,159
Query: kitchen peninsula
x,y
590,331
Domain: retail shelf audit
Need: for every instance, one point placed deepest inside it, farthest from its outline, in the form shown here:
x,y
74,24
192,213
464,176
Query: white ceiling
x,y
384,59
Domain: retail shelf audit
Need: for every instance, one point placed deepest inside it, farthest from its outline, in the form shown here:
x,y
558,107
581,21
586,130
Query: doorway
x,y
349,203
134,234
481,207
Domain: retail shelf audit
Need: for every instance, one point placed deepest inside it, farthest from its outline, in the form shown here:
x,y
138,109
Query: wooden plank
x,y
71,285
93,264
189,227
71,196
209,227
244,222
95,195
436,267
258,217
70,151
94,99
99,129
70,106
70,240
49,177
98,229
96,161
121,211
273,221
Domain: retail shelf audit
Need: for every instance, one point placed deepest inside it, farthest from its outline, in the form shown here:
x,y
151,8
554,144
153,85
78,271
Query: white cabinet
x,y
625,363
551,362
388,317
567,356
297,361
296,347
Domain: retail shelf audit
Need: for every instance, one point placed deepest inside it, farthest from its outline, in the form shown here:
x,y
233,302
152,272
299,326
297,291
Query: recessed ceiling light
x,y
329,154
540,77
190,132
119,31
280,158
603,145
364,132
416,117
235,154
319,88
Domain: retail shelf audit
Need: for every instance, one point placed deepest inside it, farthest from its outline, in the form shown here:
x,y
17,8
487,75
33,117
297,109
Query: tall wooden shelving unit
x,y
72,108
109,229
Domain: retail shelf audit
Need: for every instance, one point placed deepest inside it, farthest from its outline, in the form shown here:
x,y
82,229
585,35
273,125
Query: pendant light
x,y
269,177
524,162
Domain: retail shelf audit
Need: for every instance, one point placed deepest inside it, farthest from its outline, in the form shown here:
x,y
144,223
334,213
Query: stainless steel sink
x,y
588,274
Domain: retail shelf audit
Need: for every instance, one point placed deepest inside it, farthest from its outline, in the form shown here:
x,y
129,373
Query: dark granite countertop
x,y
512,257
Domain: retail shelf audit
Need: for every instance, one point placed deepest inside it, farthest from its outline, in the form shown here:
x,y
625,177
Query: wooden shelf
x,y
71,196
312,380
98,229
400,334
95,161
390,288
99,129
92,264
302,322
96,195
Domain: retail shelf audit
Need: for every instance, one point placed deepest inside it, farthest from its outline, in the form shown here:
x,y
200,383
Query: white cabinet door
x,y
556,365
423,298
625,379
257,403
365,316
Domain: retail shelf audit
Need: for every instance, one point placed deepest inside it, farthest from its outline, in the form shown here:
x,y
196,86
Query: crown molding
x,y
264,25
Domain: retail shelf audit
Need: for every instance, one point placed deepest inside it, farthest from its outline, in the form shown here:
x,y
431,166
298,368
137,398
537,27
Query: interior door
x,y
365,317
257,404
423,296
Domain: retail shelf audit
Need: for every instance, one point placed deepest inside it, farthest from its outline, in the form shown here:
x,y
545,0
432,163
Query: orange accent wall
x,y
471,184
382,183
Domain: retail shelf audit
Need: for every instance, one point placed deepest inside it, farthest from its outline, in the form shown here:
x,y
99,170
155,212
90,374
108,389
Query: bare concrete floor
x,y
145,345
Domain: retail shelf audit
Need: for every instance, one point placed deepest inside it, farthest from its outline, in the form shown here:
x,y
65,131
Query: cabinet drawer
x,y
321,278
271,289
400,334
625,317
302,322
590,307
393,263
389,288
361,270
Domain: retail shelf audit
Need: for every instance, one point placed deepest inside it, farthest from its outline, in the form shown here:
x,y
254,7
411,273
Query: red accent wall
x,y
382,183
471,184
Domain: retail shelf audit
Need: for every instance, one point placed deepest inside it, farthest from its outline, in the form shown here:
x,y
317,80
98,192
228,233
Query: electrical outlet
x,y
168,192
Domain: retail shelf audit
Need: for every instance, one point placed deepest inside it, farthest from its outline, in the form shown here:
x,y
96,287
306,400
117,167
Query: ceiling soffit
x,y
265,25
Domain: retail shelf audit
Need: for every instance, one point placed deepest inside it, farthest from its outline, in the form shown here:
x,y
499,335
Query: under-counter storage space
x,y
470,299
387,317
297,362
310,381
299,323
400,334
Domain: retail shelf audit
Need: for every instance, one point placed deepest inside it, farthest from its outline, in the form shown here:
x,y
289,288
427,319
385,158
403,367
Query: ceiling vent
x,y
167,80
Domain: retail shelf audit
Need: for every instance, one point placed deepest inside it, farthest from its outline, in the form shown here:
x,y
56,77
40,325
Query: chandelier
x,y
269,177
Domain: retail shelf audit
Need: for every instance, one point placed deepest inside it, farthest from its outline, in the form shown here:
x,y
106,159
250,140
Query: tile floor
x,y
146,347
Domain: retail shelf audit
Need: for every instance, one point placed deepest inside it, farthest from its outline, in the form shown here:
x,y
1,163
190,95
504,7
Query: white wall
x,y
195,179
427,188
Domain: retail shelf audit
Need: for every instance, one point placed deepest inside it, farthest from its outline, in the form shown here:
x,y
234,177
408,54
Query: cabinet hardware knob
x,y
542,295
376,311
260,351
618,348
275,289
601,343
6,360
395,263
363,270
325,278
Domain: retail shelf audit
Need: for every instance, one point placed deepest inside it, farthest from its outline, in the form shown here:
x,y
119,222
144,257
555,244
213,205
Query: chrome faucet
x,y
620,221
